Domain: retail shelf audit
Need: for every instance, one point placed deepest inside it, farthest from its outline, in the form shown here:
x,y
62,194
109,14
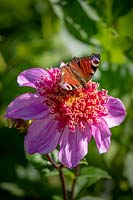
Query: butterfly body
x,y
79,71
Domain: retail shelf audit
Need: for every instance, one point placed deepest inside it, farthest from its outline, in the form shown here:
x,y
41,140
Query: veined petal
x,y
27,106
117,112
101,134
73,146
42,136
30,76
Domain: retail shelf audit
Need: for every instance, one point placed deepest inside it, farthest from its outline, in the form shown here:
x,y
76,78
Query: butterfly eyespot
x,y
95,60
95,63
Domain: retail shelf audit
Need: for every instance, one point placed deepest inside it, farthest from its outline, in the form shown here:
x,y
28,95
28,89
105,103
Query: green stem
x,y
56,166
74,182
62,178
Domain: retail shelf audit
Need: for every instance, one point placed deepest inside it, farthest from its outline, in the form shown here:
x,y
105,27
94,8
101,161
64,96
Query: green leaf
x,y
55,197
121,8
41,163
90,198
78,21
50,21
54,155
84,161
112,44
52,173
89,176
125,21
128,167
38,161
13,188
68,173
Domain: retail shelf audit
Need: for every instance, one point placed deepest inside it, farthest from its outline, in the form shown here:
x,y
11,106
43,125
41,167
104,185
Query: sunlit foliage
x,y
41,33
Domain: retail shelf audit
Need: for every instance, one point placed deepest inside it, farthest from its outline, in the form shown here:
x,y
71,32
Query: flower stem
x,y
74,182
52,162
62,178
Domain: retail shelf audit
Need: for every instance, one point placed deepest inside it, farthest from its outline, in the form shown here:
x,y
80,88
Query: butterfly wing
x,y
79,71
86,68
68,78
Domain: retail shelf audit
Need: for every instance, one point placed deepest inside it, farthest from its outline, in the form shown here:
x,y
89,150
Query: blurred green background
x,y
42,33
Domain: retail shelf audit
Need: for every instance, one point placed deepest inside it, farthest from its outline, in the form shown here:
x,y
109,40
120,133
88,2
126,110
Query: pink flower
x,y
65,118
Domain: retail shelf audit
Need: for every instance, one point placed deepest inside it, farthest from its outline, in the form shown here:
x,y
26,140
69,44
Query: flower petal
x,y
42,136
30,76
27,106
73,146
101,134
117,112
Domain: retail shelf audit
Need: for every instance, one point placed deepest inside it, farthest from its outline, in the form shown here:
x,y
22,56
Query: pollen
x,y
74,107
71,100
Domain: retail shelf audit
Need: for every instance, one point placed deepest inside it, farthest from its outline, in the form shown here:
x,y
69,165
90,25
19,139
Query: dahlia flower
x,y
68,119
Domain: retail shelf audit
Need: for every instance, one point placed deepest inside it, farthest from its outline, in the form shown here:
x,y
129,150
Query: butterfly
x,y
76,73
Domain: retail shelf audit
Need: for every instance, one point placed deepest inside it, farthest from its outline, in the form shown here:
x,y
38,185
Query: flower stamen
x,y
74,106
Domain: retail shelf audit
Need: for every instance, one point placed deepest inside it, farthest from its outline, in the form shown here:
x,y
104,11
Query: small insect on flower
x,y
67,109
20,124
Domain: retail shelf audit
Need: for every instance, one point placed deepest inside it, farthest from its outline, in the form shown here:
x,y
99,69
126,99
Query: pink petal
x,y
101,134
73,146
42,136
117,112
27,106
30,76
